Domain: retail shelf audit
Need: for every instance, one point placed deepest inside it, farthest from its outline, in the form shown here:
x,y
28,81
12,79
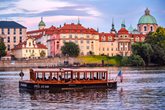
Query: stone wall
x,y
50,62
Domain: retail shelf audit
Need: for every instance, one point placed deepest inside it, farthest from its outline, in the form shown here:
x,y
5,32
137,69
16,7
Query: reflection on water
x,y
142,89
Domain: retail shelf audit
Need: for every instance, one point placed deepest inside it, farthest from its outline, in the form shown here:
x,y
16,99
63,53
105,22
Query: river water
x,y
142,89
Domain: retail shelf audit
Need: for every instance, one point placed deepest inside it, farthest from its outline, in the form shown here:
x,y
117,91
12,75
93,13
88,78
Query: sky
x,y
91,13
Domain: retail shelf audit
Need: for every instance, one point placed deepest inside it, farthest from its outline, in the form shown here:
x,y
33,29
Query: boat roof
x,y
69,69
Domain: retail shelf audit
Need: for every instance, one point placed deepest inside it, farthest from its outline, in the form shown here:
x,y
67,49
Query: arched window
x,y
151,29
145,28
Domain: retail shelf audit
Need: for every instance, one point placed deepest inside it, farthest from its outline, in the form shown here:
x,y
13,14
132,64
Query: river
x,y
142,89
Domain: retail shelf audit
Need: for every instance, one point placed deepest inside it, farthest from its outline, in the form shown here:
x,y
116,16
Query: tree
x,y
42,53
157,42
2,49
71,49
133,60
144,50
136,60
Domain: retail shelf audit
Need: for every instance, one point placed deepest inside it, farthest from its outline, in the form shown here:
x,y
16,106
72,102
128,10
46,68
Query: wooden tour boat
x,y
67,78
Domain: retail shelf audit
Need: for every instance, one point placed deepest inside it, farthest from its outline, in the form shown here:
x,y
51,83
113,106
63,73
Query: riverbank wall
x,y
48,62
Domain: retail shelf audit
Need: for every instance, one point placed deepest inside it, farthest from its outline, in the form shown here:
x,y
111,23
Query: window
x,y
26,51
8,31
63,36
29,43
63,41
76,36
111,44
3,31
87,47
20,39
81,41
87,36
151,29
70,36
14,46
87,41
76,41
107,49
20,31
145,28
14,39
111,49
14,31
8,47
103,49
8,39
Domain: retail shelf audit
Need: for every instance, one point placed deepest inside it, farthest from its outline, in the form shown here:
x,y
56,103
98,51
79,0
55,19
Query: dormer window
x,y
109,38
103,38
137,39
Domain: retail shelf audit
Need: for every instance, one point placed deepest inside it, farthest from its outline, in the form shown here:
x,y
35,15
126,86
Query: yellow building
x,y
86,38
30,49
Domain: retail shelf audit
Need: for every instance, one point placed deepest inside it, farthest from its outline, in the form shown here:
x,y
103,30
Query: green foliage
x,y
42,53
125,61
70,49
157,42
136,60
159,55
2,49
144,50
133,60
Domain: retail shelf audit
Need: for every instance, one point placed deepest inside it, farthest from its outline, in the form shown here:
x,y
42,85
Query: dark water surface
x,y
142,89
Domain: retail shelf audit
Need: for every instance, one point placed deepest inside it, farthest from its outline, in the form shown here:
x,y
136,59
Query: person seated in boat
x,y
95,78
38,78
60,77
54,78
103,77
45,78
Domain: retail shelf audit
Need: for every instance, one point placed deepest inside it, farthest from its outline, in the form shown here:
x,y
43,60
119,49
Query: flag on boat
x,y
120,75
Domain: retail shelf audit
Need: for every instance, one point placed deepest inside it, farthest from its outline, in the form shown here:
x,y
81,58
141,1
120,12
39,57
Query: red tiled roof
x,y
41,46
20,45
37,31
106,35
76,28
36,36
123,31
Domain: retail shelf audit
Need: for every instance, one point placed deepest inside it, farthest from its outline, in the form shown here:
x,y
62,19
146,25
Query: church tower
x,y
41,24
147,23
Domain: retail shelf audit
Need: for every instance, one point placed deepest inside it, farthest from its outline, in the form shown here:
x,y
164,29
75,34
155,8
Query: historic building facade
x,y
91,41
13,33
29,49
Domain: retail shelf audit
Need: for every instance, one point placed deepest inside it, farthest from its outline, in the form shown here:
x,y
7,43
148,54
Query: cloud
x,y
35,8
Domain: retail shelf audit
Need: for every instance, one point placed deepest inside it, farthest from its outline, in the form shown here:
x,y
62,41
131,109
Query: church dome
x,y
147,18
41,23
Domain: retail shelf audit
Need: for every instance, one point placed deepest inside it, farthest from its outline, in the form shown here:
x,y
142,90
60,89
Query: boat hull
x,y
37,86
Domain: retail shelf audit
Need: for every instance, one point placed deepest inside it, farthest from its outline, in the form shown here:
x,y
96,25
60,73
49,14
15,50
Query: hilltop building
x,y
12,33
